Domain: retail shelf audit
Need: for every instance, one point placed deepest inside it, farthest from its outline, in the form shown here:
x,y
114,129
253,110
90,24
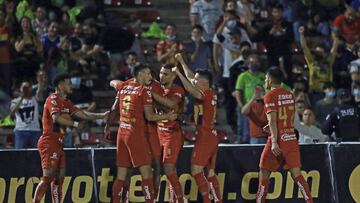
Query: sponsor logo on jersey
x,y
288,137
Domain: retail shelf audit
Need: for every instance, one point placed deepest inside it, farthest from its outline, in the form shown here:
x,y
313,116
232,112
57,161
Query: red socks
x,y
148,190
215,189
304,188
203,186
118,191
175,187
125,196
56,190
41,188
262,190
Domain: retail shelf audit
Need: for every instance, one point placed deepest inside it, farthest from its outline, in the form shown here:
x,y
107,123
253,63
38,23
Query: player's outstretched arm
x,y
150,115
167,102
114,109
85,115
57,118
114,83
188,73
188,86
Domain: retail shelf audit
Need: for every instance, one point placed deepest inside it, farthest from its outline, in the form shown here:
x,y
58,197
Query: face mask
x,y
356,92
171,37
231,24
254,67
330,94
349,20
76,82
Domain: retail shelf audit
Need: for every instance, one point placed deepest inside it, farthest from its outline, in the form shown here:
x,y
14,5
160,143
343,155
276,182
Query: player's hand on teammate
x,y
106,115
275,149
174,69
81,126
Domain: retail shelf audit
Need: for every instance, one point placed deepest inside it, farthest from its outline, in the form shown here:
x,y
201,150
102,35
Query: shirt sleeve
x,y
119,86
53,104
179,94
239,83
270,103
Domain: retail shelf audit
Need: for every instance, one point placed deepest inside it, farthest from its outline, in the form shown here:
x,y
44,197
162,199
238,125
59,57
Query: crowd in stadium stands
x,y
316,43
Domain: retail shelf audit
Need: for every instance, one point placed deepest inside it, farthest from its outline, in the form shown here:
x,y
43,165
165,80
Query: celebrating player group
x,y
150,137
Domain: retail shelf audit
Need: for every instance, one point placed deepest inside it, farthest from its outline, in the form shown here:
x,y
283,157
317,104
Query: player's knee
x,y
211,173
46,180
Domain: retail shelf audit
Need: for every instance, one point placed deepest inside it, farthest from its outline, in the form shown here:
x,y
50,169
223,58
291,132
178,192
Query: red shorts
x,y
205,150
153,139
132,151
51,153
290,157
171,143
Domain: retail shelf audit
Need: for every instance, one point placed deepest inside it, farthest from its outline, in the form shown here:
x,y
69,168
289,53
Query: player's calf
x,y
41,188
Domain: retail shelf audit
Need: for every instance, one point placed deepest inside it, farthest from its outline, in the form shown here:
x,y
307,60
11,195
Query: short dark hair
x,y
51,22
131,53
60,78
139,68
171,24
168,66
278,6
275,74
199,27
205,74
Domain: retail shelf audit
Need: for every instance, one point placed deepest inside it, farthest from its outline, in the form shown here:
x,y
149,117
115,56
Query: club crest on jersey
x,y
53,97
53,102
54,156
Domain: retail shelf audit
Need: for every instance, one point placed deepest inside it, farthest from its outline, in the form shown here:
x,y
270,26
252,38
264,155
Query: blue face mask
x,y
171,37
76,82
330,94
254,67
356,92
231,24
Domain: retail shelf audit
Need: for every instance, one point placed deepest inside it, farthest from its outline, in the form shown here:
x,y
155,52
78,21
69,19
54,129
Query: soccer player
x,y
206,145
282,148
56,117
135,102
170,134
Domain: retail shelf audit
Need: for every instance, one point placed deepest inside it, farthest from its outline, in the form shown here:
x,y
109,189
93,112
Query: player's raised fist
x,y
178,57
174,69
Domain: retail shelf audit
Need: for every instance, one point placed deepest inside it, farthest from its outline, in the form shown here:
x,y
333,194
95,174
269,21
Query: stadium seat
x,y
147,15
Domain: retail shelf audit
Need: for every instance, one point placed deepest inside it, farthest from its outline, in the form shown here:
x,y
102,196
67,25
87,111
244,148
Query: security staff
x,y
344,120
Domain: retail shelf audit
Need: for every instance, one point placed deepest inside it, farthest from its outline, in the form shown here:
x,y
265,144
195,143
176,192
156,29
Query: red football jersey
x,y
205,111
55,104
132,99
154,87
174,92
283,102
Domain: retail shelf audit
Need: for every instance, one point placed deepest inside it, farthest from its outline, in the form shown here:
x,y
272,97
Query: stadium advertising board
x,y
90,173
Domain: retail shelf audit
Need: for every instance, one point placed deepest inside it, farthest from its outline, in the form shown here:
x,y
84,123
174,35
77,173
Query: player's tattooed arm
x,y
272,118
113,111
150,115
66,121
85,115
167,102
188,85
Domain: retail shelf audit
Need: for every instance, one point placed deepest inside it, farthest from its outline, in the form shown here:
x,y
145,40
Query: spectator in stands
x,y
40,22
343,120
277,37
56,62
28,51
82,98
298,77
5,56
320,66
42,89
354,69
308,131
199,53
229,40
4,103
244,91
324,106
166,49
343,58
347,25
51,39
254,110
356,93
75,38
206,13
25,109
125,72
246,10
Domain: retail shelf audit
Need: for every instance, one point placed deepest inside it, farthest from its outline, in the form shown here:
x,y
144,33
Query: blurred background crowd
x,y
316,43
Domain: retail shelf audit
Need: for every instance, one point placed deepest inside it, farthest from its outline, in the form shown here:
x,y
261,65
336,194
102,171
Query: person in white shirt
x,y
309,133
25,109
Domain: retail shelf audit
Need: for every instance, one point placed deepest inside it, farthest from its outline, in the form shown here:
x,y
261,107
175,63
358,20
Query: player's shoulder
x,y
178,88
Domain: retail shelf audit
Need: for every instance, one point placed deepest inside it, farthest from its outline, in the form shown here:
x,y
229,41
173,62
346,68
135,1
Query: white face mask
x,y
356,92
